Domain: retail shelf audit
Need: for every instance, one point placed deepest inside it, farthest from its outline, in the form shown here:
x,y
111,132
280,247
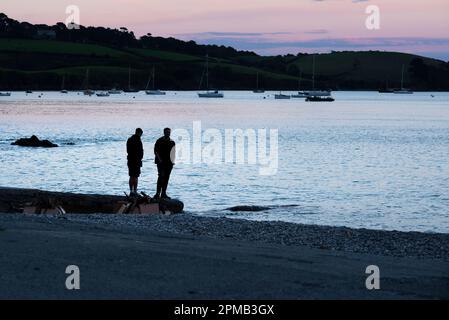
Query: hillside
x,y
29,62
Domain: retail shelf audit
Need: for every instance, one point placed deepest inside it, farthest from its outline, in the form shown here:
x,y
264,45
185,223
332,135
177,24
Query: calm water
x,y
367,160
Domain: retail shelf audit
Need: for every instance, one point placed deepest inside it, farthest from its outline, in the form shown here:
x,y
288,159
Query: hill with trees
x,y
37,57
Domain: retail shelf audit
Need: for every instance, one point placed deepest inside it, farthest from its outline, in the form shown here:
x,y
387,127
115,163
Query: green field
x,y
165,55
366,65
244,70
57,47
42,63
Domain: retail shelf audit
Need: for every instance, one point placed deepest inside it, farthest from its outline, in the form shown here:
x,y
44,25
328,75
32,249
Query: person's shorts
x,y
134,171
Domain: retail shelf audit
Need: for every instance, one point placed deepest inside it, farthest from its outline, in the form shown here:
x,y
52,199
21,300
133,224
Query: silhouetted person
x,y
164,152
134,148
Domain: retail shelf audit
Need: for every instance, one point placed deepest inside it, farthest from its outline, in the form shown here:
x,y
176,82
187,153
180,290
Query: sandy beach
x,y
188,257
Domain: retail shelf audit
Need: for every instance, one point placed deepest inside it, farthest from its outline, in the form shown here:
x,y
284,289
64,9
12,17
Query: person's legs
x,y
134,173
160,180
133,182
167,172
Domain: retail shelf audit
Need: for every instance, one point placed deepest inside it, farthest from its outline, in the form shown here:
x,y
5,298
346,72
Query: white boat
x,y
103,94
300,94
281,96
402,90
319,93
153,92
5,94
64,91
319,99
115,91
211,94
208,93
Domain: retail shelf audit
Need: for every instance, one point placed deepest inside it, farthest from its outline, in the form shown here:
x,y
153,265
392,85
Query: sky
x,y
268,27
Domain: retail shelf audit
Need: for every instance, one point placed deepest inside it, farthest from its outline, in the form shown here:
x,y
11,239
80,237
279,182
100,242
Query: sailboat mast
x,y
129,77
257,81
154,76
313,73
402,78
207,72
148,82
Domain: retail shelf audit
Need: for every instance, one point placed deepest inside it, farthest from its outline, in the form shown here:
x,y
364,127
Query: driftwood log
x,y
13,200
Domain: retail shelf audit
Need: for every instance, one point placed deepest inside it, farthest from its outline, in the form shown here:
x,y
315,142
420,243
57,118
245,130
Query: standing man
x,y
164,152
134,148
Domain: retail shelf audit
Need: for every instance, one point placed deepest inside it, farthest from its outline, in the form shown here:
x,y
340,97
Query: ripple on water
x,y
364,162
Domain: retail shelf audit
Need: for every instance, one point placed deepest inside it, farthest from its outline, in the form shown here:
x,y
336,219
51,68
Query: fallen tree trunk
x,y
14,200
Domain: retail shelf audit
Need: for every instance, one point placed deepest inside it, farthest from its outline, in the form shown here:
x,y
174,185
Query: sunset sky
x,y
263,26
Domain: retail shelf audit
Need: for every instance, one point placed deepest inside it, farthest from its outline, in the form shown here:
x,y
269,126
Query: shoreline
x,y
331,238
86,208
12,200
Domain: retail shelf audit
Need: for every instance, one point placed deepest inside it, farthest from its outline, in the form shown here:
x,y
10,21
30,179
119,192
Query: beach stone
x,y
171,205
34,142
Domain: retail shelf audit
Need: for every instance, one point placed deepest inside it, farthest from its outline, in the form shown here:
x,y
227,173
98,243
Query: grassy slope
x,y
340,66
165,55
360,65
57,47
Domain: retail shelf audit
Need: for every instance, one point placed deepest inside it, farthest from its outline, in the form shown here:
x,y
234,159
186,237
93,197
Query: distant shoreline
x,y
225,90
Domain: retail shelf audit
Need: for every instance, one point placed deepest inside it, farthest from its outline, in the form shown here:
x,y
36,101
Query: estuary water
x,y
367,160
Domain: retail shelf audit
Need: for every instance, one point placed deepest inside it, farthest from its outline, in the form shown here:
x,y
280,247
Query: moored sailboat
x,y
403,90
258,90
87,91
209,93
318,95
153,91
130,89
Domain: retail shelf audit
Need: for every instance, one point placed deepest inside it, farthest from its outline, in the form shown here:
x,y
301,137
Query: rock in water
x,y
34,142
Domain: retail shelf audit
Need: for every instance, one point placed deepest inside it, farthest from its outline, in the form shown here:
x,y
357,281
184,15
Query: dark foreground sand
x,y
185,257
